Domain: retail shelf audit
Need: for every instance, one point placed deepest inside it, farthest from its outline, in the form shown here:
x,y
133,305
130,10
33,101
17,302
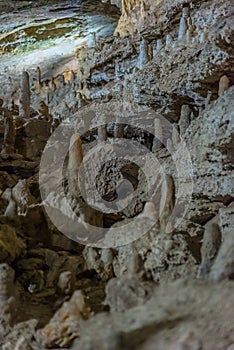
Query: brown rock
x,y
11,246
64,326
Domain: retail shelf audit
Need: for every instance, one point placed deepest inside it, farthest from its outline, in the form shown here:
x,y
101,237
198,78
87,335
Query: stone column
x,y
185,117
74,161
158,133
24,103
143,55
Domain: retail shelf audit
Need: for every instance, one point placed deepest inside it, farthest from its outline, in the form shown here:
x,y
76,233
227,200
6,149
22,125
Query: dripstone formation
x,y
126,145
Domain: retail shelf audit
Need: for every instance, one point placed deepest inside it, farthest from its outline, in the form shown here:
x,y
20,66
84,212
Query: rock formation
x,y
25,95
121,128
64,326
210,246
9,130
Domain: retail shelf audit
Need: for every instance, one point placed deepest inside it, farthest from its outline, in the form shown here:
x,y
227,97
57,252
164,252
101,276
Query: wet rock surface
x,y
169,284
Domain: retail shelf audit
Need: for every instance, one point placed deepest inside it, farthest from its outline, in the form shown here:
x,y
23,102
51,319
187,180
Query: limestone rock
x,y
223,266
11,246
20,336
64,326
210,246
66,283
126,292
25,95
100,261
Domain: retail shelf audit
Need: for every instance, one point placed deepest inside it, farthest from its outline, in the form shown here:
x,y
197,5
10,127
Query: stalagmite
x,y
52,85
74,161
170,147
66,283
143,55
143,9
80,100
11,105
203,36
118,130
189,34
154,48
62,80
38,76
183,28
183,23
102,133
224,83
168,40
24,106
167,203
44,111
9,130
175,136
210,245
73,79
208,98
158,133
185,117
223,266
157,45
10,211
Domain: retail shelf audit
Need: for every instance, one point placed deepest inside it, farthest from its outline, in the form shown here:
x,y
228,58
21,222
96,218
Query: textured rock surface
x,y
175,306
175,59
64,326
10,245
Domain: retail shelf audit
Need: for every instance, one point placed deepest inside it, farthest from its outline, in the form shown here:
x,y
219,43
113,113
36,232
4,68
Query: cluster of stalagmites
x,y
217,250
188,35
